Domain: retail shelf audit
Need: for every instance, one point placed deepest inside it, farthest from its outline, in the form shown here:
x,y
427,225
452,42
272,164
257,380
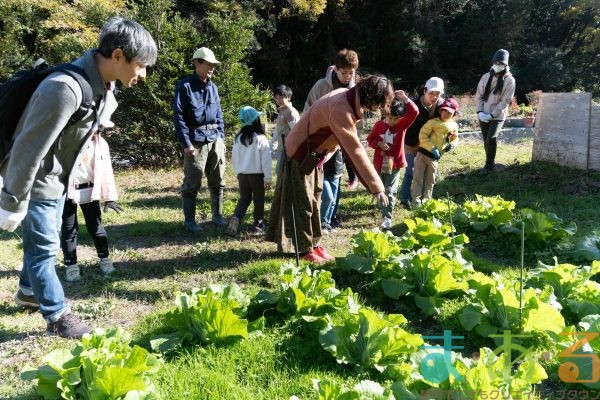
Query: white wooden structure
x,y
567,130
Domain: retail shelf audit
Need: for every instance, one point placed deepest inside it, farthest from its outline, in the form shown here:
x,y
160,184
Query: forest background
x,y
554,47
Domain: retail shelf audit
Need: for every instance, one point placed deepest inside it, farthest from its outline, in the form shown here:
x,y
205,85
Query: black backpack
x,y
16,92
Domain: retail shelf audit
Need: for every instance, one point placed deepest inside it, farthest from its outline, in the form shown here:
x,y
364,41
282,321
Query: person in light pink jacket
x,y
91,180
329,124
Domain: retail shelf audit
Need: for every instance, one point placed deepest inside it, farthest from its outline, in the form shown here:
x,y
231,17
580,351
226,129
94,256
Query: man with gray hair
x,y
198,120
46,147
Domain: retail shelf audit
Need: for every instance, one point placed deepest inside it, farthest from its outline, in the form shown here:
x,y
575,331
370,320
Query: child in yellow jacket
x,y
437,136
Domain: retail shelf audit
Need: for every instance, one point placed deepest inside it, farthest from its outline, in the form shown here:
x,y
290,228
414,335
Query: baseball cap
x,y
248,114
435,84
450,105
206,54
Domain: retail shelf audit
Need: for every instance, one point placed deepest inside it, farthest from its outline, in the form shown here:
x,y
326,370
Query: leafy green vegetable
x,y
370,251
307,294
492,372
428,275
495,309
466,378
588,248
572,285
430,234
485,212
369,340
214,314
540,228
101,366
441,209
364,390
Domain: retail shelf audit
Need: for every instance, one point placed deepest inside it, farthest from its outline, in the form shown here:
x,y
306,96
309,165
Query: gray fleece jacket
x,y
42,158
324,86
497,103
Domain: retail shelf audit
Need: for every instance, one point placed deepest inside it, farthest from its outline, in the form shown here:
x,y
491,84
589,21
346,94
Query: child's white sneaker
x,y
106,266
386,223
73,273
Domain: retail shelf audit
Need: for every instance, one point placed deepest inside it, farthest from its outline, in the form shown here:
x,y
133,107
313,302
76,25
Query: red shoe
x,y
313,257
320,250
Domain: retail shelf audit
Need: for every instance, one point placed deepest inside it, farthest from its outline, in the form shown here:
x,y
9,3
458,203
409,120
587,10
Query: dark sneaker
x,y
21,299
68,326
335,223
26,301
405,204
257,229
192,227
233,226
219,221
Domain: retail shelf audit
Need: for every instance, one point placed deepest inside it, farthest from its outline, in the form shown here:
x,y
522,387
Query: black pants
x,y
489,132
351,173
68,233
252,190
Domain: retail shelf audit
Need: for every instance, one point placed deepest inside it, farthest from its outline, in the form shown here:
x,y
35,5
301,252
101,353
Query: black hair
x,y
247,132
398,108
283,91
129,36
499,83
375,91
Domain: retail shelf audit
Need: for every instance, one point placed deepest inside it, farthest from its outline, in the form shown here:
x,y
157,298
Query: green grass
x,y
154,257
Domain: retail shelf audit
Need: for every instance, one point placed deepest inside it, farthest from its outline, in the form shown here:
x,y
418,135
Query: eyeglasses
x,y
346,72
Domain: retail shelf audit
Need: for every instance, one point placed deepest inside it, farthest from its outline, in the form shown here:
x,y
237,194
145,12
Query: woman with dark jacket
x,y
428,104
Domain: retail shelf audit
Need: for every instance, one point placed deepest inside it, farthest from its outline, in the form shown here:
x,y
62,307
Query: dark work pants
x,y
252,189
489,132
93,222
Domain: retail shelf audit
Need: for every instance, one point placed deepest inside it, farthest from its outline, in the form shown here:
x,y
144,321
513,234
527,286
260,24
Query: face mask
x,y
498,68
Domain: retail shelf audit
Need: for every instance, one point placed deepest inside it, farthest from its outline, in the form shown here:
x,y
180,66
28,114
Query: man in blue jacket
x,y
198,120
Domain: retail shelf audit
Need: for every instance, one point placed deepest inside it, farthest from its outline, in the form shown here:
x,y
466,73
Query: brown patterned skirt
x,y
305,193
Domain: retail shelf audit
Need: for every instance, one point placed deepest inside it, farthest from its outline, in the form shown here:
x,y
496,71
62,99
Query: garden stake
x,y
522,267
288,161
450,218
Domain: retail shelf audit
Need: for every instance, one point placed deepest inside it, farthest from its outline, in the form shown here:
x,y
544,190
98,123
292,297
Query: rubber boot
x,y
189,212
216,205
490,154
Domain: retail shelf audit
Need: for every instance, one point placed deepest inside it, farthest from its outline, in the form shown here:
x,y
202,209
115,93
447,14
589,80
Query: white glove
x,y
10,220
485,117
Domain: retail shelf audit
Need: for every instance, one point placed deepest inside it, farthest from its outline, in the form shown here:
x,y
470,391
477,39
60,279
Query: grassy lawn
x,y
154,257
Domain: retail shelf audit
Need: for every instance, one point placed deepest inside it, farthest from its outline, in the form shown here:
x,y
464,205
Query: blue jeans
x,y
331,186
41,242
408,177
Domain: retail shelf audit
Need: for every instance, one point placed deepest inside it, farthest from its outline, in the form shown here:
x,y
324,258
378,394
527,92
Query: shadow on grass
x,y
537,184
95,284
9,274
172,199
